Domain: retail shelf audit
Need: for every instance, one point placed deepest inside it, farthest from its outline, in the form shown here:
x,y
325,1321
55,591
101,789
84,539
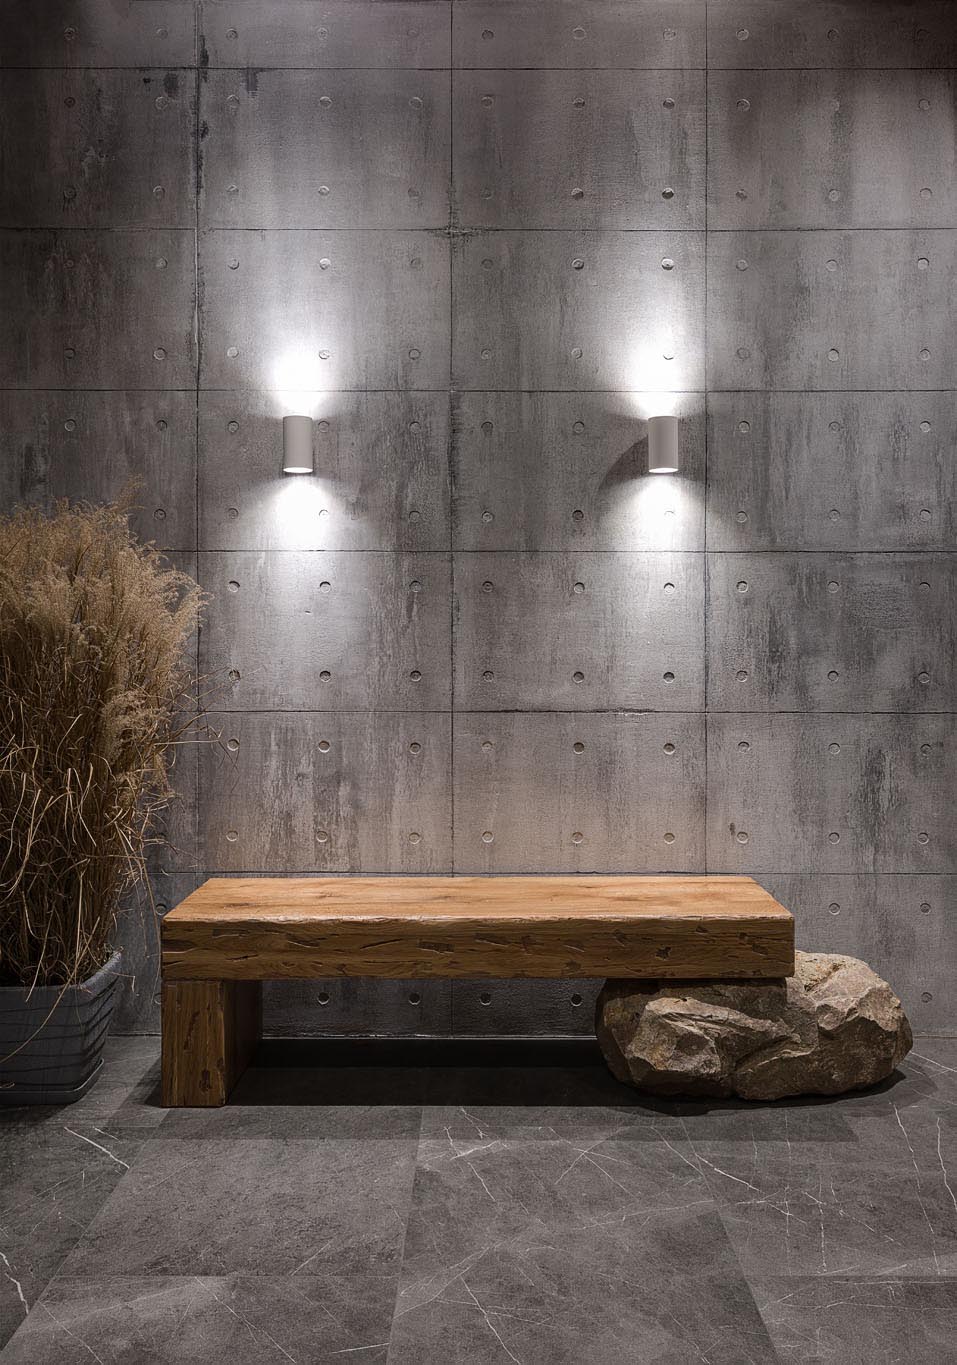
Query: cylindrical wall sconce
x,y
297,456
663,445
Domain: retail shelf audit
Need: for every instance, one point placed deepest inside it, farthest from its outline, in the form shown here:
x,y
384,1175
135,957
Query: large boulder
x,y
832,1026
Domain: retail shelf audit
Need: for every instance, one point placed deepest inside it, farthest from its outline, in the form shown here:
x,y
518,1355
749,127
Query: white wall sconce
x,y
297,454
663,445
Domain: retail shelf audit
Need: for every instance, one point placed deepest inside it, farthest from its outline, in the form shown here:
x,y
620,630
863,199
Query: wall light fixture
x,y
297,455
663,445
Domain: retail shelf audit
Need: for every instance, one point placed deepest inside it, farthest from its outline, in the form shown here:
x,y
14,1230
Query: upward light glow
x,y
656,372
297,382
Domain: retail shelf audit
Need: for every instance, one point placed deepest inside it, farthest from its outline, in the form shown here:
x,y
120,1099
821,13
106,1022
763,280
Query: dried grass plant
x,y
93,634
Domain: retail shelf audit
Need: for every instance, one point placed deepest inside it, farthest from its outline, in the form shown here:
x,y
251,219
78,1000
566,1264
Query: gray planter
x,y
64,1054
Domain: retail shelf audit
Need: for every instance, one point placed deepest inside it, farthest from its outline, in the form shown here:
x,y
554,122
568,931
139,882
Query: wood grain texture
x,y
255,928
210,1029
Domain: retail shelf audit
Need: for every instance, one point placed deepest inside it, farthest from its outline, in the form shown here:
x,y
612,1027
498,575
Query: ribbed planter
x,y
55,1060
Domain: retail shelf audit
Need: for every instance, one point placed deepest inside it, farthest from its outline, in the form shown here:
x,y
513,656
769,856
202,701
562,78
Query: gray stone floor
x,y
477,1203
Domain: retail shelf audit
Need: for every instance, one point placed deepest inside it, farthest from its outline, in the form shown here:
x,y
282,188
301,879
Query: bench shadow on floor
x,y
328,1072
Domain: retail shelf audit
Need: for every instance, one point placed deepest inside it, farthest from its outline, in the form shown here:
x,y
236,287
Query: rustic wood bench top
x,y
233,933
269,927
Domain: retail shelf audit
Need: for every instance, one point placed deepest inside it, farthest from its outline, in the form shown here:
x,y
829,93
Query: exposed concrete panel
x,y
352,310
138,934
97,148
575,275
809,33
524,1007
339,33
173,841
90,446
357,149
354,1005
326,631
102,33
570,793
842,471
524,466
566,310
632,34
98,309
565,149
904,926
579,632
835,793
381,481
832,149
832,632
333,793
831,310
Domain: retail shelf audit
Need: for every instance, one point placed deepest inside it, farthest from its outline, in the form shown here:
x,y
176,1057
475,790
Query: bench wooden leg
x,y
210,1029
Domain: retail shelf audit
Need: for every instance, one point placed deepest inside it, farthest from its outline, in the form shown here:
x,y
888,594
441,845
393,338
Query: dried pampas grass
x,y
93,634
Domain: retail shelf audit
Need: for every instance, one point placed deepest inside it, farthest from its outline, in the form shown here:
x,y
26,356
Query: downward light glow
x,y
297,452
663,445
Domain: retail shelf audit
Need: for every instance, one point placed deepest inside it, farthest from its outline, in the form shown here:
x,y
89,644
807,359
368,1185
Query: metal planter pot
x,y
55,1059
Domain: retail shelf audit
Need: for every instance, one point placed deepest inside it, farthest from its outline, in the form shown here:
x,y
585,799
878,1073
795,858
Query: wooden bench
x,y
228,937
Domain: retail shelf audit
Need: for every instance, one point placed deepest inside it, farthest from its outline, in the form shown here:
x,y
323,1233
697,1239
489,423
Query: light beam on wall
x,y
298,379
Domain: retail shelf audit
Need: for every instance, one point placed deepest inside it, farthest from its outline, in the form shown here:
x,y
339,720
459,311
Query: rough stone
x,y
832,1026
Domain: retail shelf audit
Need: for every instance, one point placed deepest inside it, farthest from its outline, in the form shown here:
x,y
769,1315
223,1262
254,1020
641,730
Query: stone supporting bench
x,y
224,940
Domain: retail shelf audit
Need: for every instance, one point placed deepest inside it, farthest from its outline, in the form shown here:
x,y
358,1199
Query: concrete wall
x,y
482,242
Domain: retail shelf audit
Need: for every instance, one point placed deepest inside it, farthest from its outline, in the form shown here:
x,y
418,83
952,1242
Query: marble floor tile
x,y
542,1102
642,1290
785,1121
57,1169
626,1202
846,1321
478,1205
192,1320
872,1207
931,1069
259,1206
